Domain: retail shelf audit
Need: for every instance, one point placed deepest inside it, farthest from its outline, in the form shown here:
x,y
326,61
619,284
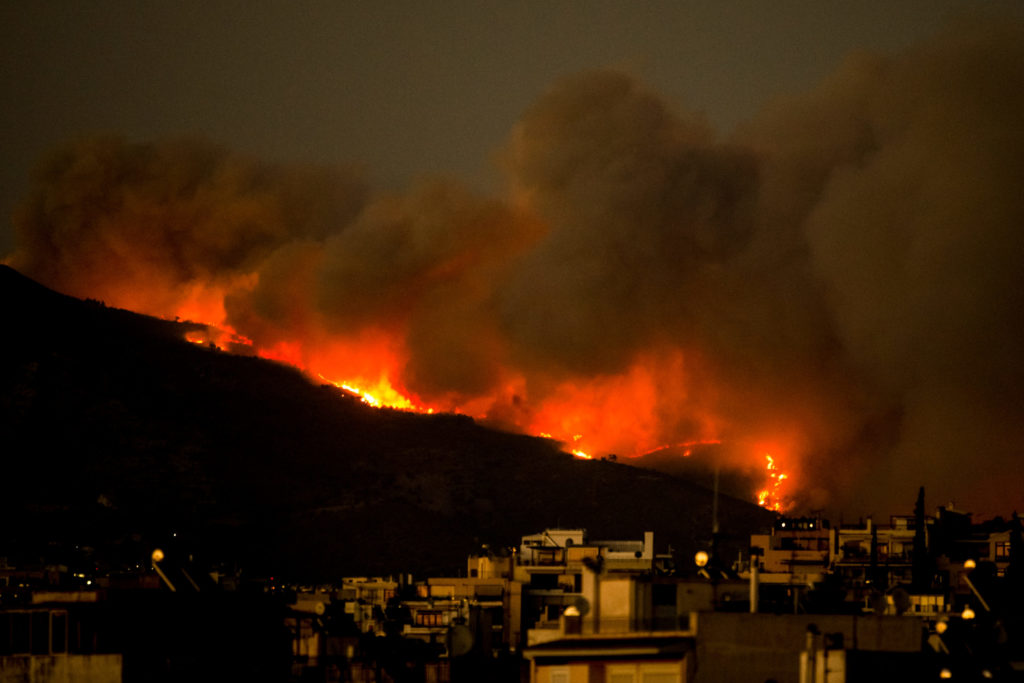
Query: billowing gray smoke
x,y
842,277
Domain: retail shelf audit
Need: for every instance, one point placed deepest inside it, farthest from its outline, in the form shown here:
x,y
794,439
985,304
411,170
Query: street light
x,y
158,557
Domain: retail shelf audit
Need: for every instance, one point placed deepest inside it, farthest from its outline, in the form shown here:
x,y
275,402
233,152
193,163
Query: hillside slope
x,y
118,435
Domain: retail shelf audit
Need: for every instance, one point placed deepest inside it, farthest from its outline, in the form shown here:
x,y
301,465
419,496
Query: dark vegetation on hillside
x,y
117,434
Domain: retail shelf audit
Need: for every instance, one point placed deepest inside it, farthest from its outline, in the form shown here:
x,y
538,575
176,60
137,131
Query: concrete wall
x,y
616,605
60,669
757,647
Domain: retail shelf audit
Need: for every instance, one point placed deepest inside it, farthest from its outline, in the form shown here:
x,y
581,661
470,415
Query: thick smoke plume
x,y
838,284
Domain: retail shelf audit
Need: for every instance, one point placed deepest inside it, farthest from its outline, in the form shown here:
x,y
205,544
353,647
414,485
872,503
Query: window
x,y
559,674
429,618
650,672
1003,550
548,556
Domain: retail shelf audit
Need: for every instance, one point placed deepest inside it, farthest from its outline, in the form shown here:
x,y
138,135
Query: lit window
x,y
429,618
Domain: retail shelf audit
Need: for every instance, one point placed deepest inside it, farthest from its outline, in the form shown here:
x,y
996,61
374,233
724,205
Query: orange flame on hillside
x,y
771,496
686,446
589,415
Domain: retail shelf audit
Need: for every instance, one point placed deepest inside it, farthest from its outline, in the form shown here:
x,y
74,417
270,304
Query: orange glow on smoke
x,y
618,414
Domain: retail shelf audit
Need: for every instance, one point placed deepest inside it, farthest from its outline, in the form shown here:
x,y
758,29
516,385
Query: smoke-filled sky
x,y
791,229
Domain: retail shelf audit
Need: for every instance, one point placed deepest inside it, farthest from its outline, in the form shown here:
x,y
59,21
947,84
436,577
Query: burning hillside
x,y
837,285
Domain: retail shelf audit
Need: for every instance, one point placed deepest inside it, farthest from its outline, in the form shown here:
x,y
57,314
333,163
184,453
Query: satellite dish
x,y
581,604
319,609
459,640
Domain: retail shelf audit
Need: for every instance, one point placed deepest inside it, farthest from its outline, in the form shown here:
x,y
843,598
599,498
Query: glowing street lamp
x,y
158,557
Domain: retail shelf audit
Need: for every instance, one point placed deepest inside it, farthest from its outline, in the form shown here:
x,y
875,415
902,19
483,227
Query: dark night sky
x,y
405,88
794,223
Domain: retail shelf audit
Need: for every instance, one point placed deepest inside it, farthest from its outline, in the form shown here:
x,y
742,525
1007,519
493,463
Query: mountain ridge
x,y
121,435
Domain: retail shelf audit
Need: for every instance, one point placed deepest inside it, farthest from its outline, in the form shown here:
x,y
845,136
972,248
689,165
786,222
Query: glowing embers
x,y
577,452
771,496
221,338
383,396
685,448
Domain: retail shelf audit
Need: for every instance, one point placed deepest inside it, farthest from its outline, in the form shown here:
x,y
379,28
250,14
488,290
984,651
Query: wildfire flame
x,y
366,368
771,496
375,388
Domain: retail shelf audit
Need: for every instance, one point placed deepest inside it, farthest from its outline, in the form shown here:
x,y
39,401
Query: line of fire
x,y
920,597
375,387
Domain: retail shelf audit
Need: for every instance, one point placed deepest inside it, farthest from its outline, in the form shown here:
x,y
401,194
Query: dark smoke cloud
x,y
642,207
106,213
899,176
841,277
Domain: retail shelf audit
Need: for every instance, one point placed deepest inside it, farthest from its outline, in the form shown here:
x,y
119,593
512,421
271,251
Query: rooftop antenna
x,y
714,525
714,509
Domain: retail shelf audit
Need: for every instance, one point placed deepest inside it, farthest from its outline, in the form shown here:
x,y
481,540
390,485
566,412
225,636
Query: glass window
x,y
429,618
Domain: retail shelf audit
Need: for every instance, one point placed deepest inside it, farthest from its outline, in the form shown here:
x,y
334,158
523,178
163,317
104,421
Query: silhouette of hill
x,y
695,463
120,436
